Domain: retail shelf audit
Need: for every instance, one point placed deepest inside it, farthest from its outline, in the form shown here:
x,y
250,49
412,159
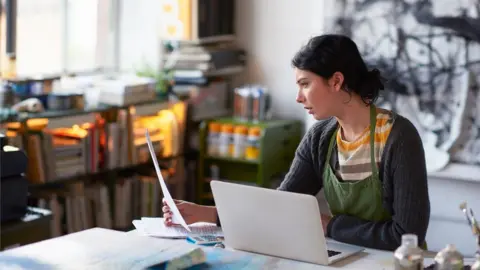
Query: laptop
x,y
276,223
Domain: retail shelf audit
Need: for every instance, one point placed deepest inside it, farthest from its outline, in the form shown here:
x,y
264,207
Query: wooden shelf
x,y
23,117
231,159
120,170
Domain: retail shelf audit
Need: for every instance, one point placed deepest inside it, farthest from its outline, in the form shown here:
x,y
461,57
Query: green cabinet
x,y
278,141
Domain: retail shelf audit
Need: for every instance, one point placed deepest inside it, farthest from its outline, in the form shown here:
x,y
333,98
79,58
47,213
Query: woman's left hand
x,y
325,220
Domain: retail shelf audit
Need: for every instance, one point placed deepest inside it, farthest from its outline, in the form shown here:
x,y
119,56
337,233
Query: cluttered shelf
x,y
8,116
52,114
244,151
90,165
68,144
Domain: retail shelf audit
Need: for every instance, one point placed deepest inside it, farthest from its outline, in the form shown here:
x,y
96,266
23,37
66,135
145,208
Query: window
x,y
139,43
56,36
39,37
2,39
82,20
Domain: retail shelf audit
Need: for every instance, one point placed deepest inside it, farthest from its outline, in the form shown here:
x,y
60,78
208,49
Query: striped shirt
x,y
354,159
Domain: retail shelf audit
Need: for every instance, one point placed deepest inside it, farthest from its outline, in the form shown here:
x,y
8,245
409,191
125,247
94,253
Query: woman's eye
x,y
304,85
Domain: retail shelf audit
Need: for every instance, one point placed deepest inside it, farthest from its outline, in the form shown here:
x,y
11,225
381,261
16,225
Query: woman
x,y
369,161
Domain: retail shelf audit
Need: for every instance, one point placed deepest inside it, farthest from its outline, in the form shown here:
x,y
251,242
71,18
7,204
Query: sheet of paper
x,y
177,217
146,228
156,227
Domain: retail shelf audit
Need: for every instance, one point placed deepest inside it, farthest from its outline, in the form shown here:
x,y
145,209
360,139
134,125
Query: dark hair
x,y
327,54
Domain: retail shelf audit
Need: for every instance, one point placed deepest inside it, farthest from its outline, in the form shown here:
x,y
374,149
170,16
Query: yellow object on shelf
x,y
226,140
9,68
213,141
252,151
239,141
215,127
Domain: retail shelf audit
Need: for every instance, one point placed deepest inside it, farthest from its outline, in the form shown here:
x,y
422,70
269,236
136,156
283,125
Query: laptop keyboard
x,y
332,253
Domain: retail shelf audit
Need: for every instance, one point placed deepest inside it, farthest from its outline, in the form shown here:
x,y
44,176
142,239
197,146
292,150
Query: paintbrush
x,y
476,226
463,207
472,222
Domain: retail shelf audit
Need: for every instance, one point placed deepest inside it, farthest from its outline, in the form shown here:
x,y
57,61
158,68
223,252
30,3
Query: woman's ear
x,y
337,81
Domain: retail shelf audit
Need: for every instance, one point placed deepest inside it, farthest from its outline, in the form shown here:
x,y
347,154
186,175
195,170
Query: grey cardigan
x,y
402,172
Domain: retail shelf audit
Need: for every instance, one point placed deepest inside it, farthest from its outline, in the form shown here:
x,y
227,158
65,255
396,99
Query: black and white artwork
x,y
429,53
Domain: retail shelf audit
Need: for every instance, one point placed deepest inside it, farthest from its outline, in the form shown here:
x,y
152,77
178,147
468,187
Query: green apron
x,y
361,199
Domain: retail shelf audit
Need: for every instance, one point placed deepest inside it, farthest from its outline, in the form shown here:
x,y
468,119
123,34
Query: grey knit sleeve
x,y
302,176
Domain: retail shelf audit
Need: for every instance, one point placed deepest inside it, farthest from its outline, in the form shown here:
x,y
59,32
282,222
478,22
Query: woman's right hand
x,y
191,212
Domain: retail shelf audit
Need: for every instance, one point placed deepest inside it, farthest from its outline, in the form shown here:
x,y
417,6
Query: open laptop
x,y
276,223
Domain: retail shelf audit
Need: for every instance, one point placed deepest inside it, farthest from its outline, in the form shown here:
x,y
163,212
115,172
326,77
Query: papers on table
x,y
177,217
155,227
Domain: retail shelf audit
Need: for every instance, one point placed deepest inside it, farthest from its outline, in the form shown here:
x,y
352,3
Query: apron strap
x,y
373,124
330,146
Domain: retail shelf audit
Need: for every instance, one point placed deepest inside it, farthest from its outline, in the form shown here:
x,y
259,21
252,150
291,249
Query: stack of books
x,y
193,64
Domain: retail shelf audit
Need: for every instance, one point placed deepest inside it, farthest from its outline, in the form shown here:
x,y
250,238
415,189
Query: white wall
x,y
272,31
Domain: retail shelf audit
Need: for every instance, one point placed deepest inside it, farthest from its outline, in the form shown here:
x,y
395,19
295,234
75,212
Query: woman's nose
x,y
300,98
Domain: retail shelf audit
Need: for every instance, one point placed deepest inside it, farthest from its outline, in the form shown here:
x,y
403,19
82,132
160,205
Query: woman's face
x,y
318,95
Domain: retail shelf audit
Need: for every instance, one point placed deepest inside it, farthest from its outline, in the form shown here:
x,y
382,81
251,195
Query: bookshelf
x,y
92,167
200,52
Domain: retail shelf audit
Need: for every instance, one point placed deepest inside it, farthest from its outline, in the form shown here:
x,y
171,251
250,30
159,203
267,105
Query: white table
x,y
99,248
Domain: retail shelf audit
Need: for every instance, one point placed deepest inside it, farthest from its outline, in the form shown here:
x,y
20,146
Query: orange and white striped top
x,y
354,157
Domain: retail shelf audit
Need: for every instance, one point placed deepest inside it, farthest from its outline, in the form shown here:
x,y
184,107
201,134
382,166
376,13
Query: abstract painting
x,y
429,54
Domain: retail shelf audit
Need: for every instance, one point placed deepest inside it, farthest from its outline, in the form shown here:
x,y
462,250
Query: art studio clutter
x,y
409,256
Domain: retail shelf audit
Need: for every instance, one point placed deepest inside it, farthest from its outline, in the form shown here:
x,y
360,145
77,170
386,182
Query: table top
x,y
99,248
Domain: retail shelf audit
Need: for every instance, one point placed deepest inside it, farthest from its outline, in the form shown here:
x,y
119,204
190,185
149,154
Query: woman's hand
x,y
191,212
325,220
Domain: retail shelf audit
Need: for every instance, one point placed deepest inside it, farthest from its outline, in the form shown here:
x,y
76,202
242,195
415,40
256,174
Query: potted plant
x,y
163,79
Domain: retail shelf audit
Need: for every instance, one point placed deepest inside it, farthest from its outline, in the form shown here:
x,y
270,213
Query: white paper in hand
x,y
177,217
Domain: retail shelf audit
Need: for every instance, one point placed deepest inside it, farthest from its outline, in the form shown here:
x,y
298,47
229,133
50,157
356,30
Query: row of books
x,y
56,154
79,206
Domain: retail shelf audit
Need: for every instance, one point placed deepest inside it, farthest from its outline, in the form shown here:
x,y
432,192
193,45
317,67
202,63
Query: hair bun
x,y
374,72
375,79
